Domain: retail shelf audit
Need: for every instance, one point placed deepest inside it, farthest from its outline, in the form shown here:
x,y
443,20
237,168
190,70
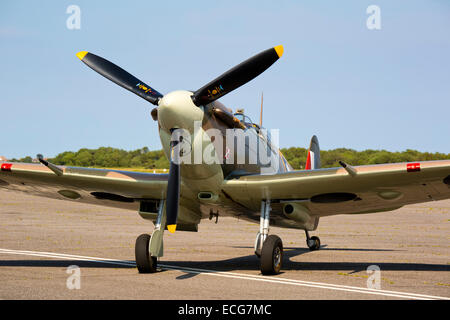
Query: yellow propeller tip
x,y
172,228
81,54
279,50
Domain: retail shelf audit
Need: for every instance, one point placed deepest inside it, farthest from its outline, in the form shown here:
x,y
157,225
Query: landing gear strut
x,y
149,248
268,248
313,242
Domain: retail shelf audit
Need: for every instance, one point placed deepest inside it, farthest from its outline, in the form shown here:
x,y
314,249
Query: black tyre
x,y
144,262
313,243
271,255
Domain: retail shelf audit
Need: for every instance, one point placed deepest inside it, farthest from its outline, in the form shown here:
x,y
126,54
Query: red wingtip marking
x,y
6,166
413,167
308,161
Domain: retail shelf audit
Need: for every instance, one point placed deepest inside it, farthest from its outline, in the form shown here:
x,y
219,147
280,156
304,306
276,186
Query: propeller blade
x,y
173,189
237,76
119,76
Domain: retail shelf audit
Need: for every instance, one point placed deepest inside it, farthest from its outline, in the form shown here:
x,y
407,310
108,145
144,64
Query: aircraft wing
x,y
361,189
113,188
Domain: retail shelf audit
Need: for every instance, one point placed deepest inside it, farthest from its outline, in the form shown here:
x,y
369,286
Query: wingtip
x,y
81,54
172,228
279,50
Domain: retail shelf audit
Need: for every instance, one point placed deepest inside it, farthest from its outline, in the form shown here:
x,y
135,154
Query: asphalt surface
x,y
40,238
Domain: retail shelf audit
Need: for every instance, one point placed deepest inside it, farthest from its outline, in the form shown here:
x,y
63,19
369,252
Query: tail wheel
x,y
271,255
313,243
144,262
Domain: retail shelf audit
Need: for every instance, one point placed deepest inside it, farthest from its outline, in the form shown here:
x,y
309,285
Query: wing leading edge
x,y
332,191
113,188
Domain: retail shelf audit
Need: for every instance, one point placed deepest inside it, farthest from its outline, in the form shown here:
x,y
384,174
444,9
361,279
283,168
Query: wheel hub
x,y
276,257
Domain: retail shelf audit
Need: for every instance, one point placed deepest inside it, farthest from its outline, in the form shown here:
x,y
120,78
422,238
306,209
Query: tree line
x,y
107,157
330,158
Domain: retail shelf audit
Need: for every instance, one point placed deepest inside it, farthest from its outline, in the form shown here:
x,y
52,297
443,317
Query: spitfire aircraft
x,y
194,190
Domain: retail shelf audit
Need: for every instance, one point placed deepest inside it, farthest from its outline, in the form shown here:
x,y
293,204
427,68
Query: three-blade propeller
x,y
222,85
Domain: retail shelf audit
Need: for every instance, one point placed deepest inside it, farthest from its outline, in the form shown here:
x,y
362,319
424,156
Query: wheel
x,y
144,262
271,255
313,243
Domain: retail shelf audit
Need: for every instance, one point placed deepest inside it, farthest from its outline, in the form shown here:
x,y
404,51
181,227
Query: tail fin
x,y
313,159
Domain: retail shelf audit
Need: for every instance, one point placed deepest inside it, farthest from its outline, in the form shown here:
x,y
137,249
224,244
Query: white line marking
x,y
68,256
234,275
307,283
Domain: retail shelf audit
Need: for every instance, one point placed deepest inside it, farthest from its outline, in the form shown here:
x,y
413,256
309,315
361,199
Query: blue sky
x,y
353,87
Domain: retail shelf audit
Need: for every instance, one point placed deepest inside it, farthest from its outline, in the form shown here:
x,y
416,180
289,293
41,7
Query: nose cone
x,y
176,110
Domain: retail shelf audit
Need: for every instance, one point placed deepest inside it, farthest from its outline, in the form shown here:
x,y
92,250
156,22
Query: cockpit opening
x,y
239,114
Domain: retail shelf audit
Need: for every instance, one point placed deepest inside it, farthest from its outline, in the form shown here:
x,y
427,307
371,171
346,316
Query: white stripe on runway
x,y
234,275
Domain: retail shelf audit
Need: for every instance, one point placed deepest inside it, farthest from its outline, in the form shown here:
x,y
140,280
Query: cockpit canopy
x,y
246,120
249,124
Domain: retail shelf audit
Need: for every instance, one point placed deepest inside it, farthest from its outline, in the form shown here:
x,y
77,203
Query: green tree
x,y
108,157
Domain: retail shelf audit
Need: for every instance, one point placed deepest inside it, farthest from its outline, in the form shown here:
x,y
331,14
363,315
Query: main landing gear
x,y
270,248
149,248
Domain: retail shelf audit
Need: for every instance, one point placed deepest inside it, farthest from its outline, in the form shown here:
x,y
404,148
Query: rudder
x,y
313,158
